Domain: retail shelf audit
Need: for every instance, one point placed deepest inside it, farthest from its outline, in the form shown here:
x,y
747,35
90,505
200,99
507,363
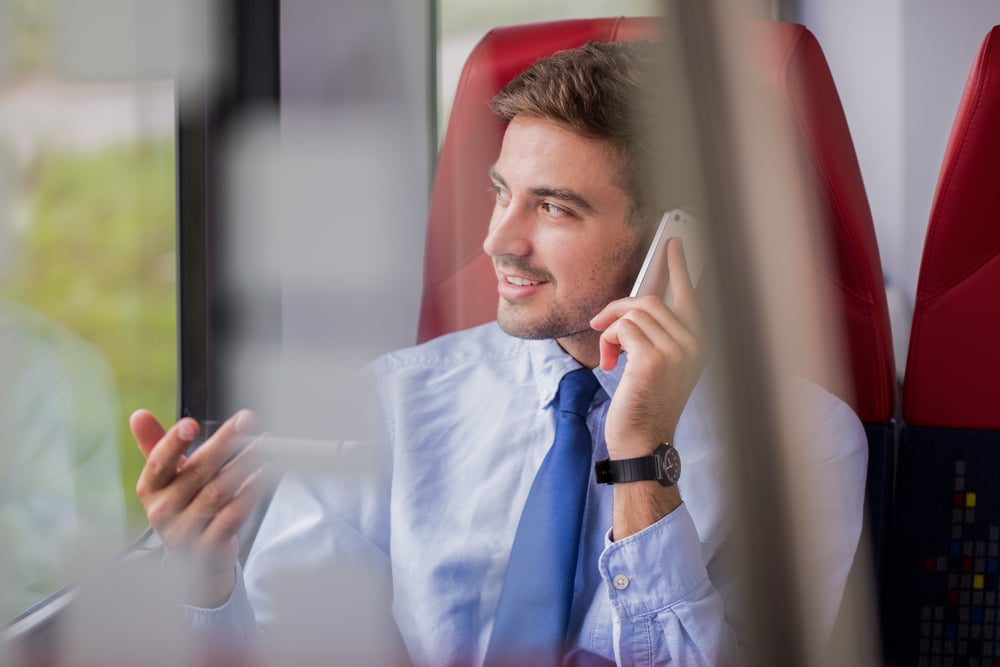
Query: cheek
x,y
623,264
595,273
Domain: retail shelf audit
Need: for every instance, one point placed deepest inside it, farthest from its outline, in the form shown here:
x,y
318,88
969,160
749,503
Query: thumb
x,y
147,430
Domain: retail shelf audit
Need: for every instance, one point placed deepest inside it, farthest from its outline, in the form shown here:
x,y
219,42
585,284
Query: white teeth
x,y
514,280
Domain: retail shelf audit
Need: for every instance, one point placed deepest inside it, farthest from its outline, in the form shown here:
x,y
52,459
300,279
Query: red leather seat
x,y
946,510
796,71
798,74
459,284
954,356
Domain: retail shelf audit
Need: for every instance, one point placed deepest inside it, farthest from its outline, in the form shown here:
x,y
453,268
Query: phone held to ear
x,y
654,276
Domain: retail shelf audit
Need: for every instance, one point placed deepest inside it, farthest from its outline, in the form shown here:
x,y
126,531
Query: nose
x,y
509,232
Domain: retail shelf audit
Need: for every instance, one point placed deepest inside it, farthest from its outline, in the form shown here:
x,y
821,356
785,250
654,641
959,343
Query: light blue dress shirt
x,y
467,420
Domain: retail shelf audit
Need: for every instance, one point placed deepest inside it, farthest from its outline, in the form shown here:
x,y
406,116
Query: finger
x,y
610,352
684,304
681,286
658,330
166,456
208,460
217,450
677,265
651,305
619,307
642,336
192,514
634,332
226,484
227,521
665,331
146,429
610,344
623,334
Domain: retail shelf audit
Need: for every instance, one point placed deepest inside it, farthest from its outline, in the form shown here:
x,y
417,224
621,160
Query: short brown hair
x,y
600,90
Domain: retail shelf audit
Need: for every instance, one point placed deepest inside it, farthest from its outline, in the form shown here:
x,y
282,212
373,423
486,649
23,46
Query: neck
x,y
584,346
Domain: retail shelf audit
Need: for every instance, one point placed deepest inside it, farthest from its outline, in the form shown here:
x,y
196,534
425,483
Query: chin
x,y
522,330
538,328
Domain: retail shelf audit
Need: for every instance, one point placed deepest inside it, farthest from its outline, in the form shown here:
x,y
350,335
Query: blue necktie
x,y
533,613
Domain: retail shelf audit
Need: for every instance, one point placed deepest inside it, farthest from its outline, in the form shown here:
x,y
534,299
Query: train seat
x,y
943,591
460,286
800,78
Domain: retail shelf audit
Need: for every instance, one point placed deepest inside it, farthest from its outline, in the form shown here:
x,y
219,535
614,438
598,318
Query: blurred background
x,y
105,105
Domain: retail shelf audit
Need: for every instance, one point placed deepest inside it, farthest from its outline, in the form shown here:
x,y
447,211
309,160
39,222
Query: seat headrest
x,y
459,283
953,358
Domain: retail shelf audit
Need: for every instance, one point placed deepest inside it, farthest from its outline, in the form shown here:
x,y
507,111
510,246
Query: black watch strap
x,y
663,466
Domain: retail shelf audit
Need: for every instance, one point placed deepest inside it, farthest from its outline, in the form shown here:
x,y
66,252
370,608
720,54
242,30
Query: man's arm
x,y
669,605
657,568
665,606
316,586
665,359
686,606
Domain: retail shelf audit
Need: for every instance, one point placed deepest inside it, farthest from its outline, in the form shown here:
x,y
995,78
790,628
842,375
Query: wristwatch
x,y
663,465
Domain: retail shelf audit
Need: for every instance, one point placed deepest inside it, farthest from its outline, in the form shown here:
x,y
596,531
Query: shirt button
x,y
620,582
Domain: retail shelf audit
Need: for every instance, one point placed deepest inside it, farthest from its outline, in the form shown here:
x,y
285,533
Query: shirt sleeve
x,y
229,628
673,596
829,497
671,612
319,555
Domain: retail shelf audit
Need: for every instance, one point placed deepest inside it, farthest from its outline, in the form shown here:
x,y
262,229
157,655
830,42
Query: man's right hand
x,y
198,503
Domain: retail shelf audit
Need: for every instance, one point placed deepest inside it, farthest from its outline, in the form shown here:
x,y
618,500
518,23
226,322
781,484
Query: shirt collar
x,y
549,363
609,379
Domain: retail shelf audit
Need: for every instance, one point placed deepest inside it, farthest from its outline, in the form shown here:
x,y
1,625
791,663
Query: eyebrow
x,y
562,194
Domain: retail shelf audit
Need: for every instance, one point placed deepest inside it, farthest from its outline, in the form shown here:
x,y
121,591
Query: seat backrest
x,y
798,74
800,78
459,283
954,357
941,596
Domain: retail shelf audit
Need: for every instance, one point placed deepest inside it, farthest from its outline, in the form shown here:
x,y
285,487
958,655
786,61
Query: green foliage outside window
x,y
96,254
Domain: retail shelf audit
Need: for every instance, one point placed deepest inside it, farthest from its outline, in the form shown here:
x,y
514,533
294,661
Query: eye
x,y
554,211
501,194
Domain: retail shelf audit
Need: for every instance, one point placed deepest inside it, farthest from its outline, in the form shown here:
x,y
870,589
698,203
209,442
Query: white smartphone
x,y
654,276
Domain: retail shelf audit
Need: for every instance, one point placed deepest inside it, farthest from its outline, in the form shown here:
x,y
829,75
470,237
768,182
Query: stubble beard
x,y
555,324
573,320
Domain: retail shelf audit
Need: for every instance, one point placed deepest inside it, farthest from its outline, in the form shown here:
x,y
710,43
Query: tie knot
x,y
576,391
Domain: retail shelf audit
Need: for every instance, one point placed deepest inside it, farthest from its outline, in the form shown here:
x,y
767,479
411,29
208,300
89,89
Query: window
x,y
464,22
87,300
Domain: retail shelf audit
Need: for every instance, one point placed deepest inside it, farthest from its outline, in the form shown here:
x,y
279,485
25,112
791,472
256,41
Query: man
x,y
469,420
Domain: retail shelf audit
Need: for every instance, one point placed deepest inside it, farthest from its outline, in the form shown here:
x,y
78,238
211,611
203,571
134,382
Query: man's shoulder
x,y
832,424
472,364
821,404
484,344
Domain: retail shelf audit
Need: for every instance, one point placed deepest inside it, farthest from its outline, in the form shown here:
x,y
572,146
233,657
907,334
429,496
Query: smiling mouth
x,y
521,282
520,276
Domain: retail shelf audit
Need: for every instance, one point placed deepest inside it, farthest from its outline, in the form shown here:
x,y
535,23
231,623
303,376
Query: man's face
x,y
559,237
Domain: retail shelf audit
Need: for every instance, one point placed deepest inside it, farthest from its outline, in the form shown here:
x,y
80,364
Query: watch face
x,y
670,462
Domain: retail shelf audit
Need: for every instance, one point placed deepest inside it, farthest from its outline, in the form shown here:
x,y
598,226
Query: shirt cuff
x,y
231,622
655,568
